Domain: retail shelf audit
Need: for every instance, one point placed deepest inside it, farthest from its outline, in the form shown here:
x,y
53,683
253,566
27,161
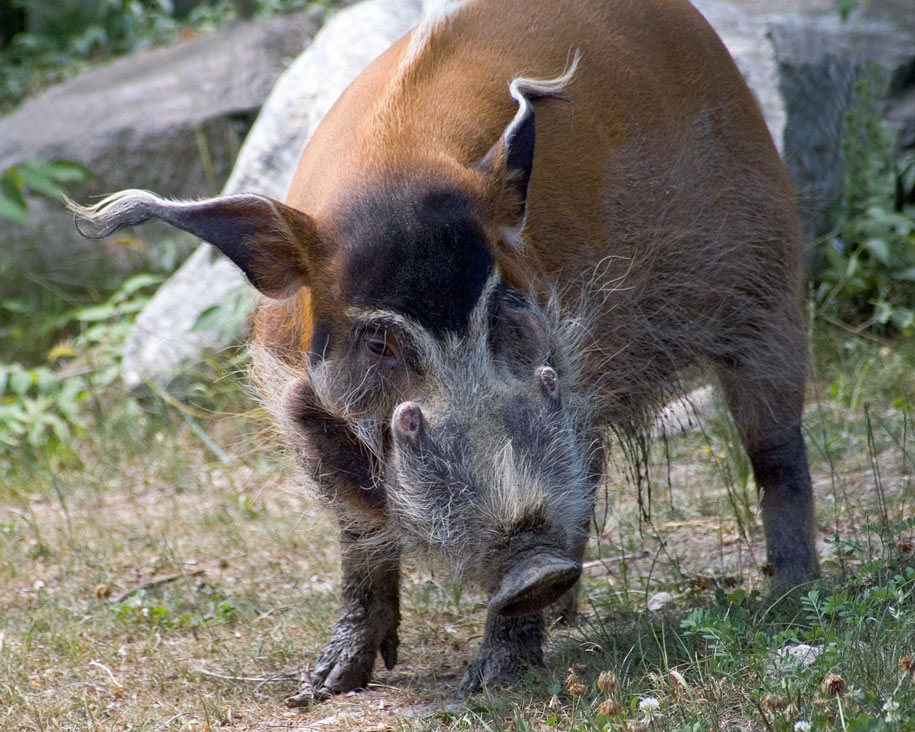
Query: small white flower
x,y
649,705
801,725
891,710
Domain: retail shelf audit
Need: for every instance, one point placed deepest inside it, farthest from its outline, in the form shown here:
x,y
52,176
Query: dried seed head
x,y
609,707
825,707
575,683
607,682
907,663
768,570
833,685
678,679
102,592
576,688
905,544
773,702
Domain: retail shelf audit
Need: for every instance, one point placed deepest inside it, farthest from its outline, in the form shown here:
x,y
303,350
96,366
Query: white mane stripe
x,y
434,14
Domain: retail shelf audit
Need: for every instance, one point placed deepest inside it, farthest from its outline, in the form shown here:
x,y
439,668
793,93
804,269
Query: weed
x,y
41,409
34,176
868,267
75,33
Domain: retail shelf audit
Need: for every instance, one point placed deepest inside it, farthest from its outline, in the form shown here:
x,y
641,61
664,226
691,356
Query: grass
x,y
150,582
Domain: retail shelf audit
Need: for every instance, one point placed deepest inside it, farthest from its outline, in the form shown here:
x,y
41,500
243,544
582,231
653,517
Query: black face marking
x,y
417,250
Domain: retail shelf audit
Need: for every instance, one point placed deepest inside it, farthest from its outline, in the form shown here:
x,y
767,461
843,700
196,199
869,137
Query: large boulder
x,y
169,119
164,337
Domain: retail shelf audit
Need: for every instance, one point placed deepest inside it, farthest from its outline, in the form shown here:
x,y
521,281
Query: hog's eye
x,y
379,346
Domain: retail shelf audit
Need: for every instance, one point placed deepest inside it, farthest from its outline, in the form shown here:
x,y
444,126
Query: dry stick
x,y
875,468
278,676
167,722
603,561
107,671
155,582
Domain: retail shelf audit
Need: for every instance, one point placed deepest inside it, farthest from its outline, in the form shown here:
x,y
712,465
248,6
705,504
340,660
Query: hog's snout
x,y
537,579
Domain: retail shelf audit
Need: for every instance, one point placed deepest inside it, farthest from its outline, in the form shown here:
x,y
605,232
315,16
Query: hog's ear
x,y
509,163
273,244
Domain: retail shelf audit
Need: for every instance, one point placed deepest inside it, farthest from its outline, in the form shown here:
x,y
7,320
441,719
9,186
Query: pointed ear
x,y
509,162
273,244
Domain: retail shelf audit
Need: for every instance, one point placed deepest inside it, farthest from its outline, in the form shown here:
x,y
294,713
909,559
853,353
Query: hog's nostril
x,y
407,421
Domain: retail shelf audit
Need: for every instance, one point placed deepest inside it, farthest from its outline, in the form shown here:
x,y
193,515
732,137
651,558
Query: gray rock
x,y
820,59
792,658
659,601
169,119
689,413
744,34
163,340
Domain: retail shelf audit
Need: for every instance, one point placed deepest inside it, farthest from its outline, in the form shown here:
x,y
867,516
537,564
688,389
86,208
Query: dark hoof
x,y
306,696
489,673
510,646
347,661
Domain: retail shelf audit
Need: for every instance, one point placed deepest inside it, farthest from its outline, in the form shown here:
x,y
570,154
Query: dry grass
x,y
248,560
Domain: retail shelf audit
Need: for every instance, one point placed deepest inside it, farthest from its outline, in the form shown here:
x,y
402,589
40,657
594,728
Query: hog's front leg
x,y
368,620
510,645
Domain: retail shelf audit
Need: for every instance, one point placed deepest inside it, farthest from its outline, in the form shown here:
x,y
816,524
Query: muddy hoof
x,y
510,646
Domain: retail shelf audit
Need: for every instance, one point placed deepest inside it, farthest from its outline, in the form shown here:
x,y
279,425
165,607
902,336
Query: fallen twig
x,y
278,676
260,680
604,561
107,671
120,597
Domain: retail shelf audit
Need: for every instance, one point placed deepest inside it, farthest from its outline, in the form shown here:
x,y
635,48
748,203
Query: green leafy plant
x,y
37,409
73,33
35,176
228,316
103,328
42,409
183,610
867,278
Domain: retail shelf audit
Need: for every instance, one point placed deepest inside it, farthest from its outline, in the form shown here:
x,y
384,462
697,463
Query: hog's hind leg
x,y
765,395
368,620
